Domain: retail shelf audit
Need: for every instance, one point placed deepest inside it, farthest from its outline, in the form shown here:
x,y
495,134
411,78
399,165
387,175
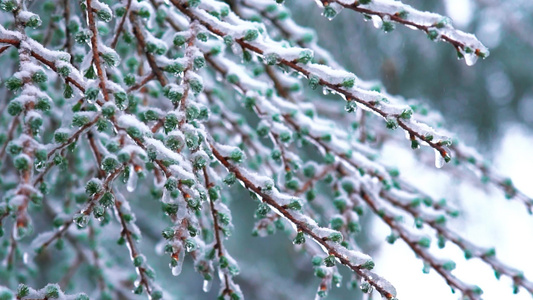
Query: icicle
x,y
178,265
207,285
439,160
166,196
182,210
132,180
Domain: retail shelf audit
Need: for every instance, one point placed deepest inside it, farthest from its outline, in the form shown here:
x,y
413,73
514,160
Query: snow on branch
x,y
385,13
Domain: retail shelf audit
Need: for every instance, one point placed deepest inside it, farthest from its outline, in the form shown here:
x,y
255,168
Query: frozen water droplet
x,y
207,285
176,270
439,160
39,166
236,49
377,21
177,266
166,196
326,91
25,258
81,219
132,180
366,287
182,210
332,10
470,59
219,77
190,246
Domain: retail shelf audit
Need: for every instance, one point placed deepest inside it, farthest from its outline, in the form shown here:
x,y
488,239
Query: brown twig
x,y
96,53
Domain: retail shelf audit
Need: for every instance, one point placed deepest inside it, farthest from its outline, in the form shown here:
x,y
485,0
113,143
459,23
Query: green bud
x,y
314,81
43,104
22,162
168,233
329,261
80,120
110,164
52,291
110,58
93,187
230,179
138,261
449,265
387,26
320,273
39,77
316,261
202,36
22,291
179,40
433,34
14,84
335,237
196,85
369,265
295,205
251,35
82,297
237,155
170,208
15,107
424,242
299,239
305,56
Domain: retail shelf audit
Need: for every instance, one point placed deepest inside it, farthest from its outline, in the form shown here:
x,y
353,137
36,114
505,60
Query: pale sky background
x,y
487,219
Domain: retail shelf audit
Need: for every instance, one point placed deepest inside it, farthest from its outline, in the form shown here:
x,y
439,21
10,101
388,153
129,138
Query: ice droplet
x,y
81,220
39,166
132,180
470,59
236,49
166,196
182,210
332,10
176,269
207,285
377,21
439,160
219,77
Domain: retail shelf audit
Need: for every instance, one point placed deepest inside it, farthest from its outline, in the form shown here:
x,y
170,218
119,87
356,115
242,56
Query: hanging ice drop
x,y
132,180
439,160
207,285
